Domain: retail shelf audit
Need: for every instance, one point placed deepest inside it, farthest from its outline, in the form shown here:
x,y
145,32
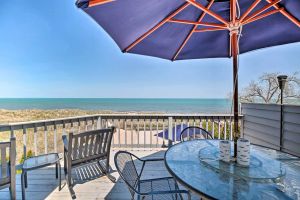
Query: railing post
x,y
170,130
12,132
46,138
99,123
24,142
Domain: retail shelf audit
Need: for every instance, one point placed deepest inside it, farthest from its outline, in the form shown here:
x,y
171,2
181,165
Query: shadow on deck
x,y
90,182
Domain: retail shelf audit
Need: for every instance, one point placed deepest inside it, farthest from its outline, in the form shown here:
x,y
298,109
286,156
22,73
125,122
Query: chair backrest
x,y
8,169
194,132
90,145
127,169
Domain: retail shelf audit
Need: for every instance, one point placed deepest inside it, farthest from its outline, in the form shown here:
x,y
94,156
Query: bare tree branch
x,y
266,89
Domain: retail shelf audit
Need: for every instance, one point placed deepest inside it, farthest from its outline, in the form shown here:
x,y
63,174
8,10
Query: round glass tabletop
x,y
271,174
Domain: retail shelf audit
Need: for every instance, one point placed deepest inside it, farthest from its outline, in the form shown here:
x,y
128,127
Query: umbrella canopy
x,y
192,29
179,29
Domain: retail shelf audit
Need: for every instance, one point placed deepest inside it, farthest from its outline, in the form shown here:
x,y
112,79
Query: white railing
x,y
133,131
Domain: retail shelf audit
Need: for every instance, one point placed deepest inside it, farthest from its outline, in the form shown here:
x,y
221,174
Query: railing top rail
x,y
59,121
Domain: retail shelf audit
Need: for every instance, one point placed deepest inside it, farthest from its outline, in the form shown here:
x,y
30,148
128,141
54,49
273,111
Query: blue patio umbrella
x,y
193,29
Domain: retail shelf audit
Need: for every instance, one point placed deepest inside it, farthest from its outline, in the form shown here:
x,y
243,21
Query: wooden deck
x,y
89,182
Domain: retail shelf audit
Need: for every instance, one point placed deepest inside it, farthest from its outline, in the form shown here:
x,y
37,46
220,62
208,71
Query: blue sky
x,y
50,48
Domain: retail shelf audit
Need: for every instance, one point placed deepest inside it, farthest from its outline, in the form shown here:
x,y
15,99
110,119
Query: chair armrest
x,y
153,159
65,142
166,192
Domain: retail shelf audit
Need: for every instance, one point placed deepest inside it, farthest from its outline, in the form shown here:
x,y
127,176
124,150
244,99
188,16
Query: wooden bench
x,y
87,147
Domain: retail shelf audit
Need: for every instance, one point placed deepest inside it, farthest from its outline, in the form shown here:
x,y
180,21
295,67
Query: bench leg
x,y
23,185
106,171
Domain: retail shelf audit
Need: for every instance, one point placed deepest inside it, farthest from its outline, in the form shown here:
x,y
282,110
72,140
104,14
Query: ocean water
x,y
213,106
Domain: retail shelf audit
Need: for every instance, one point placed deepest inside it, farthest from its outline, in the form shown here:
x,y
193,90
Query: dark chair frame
x,y
208,134
87,147
136,190
8,169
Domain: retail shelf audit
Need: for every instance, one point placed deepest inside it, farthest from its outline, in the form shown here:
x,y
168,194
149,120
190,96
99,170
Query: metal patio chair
x,y
8,169
154,189
87,147
194,133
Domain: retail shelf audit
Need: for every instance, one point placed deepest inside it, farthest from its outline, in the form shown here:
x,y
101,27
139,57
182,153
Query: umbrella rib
x,y
262,16
209,29
197,23
191,32
207,11
261,10
156,27
98,2
249,10
287,15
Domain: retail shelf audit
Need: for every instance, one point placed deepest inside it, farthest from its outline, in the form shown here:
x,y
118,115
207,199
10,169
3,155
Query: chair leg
x,y
23,185
59,175
25,176
65,164
56,170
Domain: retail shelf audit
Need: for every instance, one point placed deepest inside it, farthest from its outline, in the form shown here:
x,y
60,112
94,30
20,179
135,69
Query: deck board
x,y
42,183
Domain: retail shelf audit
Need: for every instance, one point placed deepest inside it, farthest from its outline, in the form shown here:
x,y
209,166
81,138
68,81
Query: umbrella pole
x,y
234,40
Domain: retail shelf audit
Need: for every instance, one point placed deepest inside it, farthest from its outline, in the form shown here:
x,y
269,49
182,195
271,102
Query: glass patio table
x,y
271,175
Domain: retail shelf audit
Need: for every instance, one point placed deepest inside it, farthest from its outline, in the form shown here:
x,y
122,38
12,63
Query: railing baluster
x,y
64,128
150,132
188,131
119,135
213,128
230,130
86,124
131,132
113,138
219,128
93,124
144,132
35,140
78,126
156,132
194,124
175,131
99,123
125,133
72,127
225,129
206,128
181,128
170,130
55,138
45,138
138,132
200,122
24,142
164,134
